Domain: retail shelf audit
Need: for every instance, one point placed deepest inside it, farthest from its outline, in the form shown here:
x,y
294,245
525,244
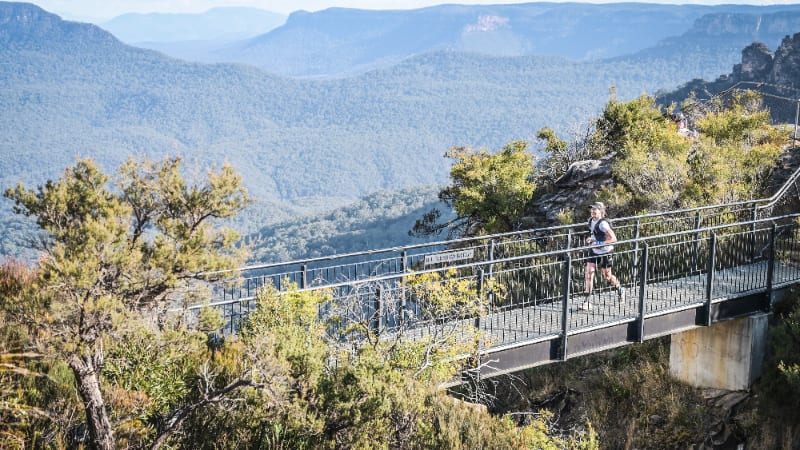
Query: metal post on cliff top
x,y
796,117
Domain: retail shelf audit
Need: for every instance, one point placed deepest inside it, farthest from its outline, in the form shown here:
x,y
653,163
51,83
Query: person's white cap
x,y
598,205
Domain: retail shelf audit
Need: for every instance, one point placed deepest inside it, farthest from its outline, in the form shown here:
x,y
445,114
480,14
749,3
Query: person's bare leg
x,y
588,281
614,282
610,277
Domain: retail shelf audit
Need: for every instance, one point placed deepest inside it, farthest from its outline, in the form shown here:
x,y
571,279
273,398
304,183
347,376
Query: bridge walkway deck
x,y
532,322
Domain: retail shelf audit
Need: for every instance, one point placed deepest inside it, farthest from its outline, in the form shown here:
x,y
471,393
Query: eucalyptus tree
x,y
120,252
488,192
338,378
726,154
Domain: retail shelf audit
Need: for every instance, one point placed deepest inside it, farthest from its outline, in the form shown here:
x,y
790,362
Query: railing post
x,y
491,270
403,269
480,295
712,260
377,313
771,265
642,291
569,239
636,233
696,243
565,305
754,217
477,324
303,275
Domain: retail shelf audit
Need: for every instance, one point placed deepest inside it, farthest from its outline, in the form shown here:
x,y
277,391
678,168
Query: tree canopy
x,y
725,154
488,192
115,256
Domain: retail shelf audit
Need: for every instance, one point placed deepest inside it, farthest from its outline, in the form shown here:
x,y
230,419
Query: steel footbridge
x,y
681,270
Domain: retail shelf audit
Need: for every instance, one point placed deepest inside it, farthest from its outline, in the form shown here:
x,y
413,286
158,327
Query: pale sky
x,y
101,10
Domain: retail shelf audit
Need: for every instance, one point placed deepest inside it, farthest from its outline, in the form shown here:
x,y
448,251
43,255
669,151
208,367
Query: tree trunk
x,y
88,380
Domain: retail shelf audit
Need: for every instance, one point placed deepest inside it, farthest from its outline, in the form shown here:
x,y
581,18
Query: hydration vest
x,y
597,233
600,236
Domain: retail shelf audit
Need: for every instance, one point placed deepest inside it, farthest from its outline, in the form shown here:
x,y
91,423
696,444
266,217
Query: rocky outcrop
x,y
785,166
786,63
579,186
574,191
787,163
756,63
779,71
759,64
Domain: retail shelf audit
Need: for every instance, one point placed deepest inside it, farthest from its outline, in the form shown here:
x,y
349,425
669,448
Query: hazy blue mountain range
x,y
192,36
69,90
340,41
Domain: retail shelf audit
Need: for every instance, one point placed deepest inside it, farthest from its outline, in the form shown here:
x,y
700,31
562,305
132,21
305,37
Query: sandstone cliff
x,y
775,74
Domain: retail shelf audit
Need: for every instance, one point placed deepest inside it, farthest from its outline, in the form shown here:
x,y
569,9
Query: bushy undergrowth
x,y
627,394
774,419
629,397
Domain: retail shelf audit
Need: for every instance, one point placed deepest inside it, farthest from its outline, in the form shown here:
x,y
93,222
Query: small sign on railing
x,y
439,258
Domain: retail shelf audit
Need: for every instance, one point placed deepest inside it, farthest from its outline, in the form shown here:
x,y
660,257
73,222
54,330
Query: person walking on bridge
x,y
601,235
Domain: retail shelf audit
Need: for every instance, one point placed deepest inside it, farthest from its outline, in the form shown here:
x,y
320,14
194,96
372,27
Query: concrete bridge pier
x,y
727,355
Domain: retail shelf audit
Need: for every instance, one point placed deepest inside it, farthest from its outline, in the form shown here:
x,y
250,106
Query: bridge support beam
x,y
727,355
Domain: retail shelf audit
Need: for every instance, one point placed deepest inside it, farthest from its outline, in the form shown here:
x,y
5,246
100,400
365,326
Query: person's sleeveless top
x,y
600,235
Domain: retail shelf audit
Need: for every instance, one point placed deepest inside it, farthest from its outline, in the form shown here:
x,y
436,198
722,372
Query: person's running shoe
x,y
585,306
621,293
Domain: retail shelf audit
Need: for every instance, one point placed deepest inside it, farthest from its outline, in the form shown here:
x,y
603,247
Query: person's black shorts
x,y
601,261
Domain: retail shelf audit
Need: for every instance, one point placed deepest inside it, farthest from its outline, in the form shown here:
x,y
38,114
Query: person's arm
x,y
610,236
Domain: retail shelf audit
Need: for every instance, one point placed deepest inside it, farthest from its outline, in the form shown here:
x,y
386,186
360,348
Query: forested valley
x,y
304,146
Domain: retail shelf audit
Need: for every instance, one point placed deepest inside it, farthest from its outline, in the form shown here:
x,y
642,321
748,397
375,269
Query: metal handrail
x,y
773,200
739,261
552,230
556,254
538,302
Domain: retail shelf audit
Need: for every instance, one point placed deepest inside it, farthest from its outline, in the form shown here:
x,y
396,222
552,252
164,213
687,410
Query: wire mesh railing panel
x,y
667,224
740,262
605,303
451,306
680,258
676,274
516,291
787,253
525,300
726,215
341,273
510,325
234,315
360,307
248,287
529,281
528,246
